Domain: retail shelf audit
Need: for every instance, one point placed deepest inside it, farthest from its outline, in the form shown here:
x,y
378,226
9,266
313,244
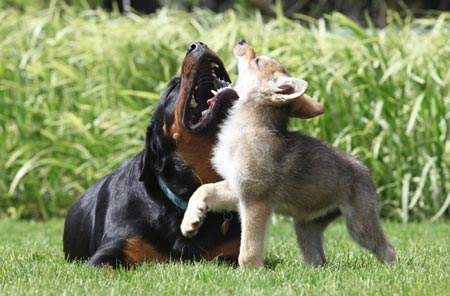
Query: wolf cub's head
x,y
266,81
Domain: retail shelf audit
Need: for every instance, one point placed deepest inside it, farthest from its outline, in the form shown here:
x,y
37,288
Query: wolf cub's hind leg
x,y
310,238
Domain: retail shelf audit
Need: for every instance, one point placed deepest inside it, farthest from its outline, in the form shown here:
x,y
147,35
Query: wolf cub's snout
x,y
267,168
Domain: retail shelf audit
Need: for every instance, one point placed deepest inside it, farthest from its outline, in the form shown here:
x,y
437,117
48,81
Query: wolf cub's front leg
x,y
213,197
255,216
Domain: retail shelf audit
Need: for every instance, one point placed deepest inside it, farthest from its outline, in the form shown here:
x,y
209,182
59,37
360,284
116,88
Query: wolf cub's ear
x,y
285,89
305,107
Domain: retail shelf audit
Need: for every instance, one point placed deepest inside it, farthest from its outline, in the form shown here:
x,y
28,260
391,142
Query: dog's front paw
x,y
193,219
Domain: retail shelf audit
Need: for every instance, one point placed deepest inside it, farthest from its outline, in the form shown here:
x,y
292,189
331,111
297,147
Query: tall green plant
x,y
77,90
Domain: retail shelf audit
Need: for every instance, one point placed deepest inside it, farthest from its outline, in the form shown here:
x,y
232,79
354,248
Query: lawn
x,y
32,263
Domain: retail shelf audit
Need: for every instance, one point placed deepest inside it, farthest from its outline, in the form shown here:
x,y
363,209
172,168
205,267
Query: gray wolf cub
x,y
267,168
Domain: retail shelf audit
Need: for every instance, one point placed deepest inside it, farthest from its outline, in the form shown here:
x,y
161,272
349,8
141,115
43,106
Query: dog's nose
x,y
242,42
195,46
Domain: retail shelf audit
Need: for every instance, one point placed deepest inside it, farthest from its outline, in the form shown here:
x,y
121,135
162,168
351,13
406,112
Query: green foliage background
x,y
78,87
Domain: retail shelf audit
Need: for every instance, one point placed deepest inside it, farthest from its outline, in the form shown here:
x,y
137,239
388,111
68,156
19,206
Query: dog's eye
x,y
257,61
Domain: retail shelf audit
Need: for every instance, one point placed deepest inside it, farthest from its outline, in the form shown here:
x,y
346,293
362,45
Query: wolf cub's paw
x,y
193,218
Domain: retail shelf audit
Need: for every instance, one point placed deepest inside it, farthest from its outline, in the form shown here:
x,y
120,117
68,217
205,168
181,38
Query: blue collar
x,y
181,204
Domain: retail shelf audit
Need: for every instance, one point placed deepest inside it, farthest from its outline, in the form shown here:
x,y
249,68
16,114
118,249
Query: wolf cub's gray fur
x,y
268,169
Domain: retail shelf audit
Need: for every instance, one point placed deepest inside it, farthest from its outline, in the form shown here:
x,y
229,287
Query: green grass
x,y
77,89
32,263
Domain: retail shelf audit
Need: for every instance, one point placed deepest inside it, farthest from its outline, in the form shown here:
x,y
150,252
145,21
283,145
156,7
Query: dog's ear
x,y
148,155
286,89
305,107
153,157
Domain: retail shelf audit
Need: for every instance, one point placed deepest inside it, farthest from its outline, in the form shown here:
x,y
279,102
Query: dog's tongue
x,y
223,88
211,101
227,94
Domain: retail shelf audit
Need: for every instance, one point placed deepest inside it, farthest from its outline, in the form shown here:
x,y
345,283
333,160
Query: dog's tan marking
x,y
225,250
138,251
194,149
164,129
196,153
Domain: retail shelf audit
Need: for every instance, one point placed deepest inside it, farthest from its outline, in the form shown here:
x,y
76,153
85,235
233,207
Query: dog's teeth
x,y
214,65
214,92
196,87
214,75
224,82
204,112
193,104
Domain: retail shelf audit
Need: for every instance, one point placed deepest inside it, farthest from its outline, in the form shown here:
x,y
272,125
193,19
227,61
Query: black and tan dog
x,y
133,214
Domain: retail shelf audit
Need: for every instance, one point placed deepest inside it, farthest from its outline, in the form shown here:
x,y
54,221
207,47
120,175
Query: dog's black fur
x,y
125,218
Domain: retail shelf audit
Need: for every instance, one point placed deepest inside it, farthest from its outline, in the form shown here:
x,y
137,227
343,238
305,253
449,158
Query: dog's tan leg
x,y
213,197
364,225
255,216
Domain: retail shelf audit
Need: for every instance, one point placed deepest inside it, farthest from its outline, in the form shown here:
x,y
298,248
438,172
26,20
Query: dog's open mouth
x,y
210,97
